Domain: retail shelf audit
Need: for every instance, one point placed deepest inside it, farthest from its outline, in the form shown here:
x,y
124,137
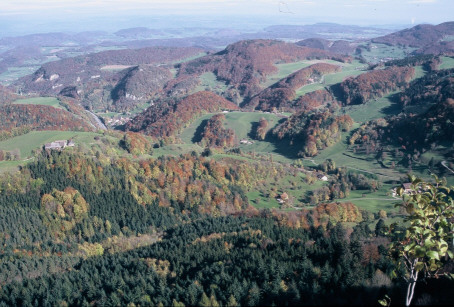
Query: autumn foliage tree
x,y
136,143
215,135
261,129
373,84
313,131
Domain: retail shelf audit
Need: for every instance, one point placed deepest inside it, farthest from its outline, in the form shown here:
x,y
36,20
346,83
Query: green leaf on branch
x,y
433,255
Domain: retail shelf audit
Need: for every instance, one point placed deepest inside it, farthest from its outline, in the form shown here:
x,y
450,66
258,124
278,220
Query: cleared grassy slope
x,y
36,139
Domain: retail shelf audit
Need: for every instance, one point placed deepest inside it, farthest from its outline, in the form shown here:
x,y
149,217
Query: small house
x,y
59,145
322,177
246,142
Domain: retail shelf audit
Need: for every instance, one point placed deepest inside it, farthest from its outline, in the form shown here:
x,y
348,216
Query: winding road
x,y
98,121
444,164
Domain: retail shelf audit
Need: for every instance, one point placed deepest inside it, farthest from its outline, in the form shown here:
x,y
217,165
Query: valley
x,y
222,168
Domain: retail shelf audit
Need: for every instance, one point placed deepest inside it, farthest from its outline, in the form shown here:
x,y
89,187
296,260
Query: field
x,y
447,62
208,81
419,72
45,101
36,139
382,51
285,69
348,70
240,122
14,73
373,109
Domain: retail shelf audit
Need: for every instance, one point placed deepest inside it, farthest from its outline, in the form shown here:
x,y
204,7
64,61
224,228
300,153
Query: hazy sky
x,y
43,13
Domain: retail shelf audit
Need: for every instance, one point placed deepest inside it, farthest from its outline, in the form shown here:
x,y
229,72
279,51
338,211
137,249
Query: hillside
x,y
427,38
244,65
282,93
410,134
337,46
139,84
435,87
312,132
264,173
373,84
166,118
32,117
93,76
6,95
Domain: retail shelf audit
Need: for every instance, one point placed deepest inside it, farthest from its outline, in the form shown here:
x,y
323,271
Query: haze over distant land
x,y
30,16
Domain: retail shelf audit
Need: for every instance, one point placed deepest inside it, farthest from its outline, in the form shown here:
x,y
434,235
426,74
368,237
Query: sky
x,y
28,15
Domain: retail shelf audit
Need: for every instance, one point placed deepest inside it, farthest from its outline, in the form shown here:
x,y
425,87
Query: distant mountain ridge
x,y
427,38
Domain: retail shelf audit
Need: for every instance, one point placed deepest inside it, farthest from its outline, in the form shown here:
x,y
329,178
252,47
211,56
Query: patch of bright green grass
x,y
242,123
447,62
373,109
176,149
14,73
36,139
373,201
419,72
381,51
199,55
348,70
209,81
10,166
44,101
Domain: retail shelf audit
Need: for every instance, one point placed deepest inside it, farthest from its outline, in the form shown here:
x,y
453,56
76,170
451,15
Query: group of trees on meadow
x,y
407,132
313,131
12,155
215,135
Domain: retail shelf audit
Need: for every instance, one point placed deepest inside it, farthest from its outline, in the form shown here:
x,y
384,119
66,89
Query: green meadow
x,y
36,139
44,101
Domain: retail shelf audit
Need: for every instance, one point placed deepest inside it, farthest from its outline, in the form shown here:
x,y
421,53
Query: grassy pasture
x,y
176,149
373,109
285,69
240,122
209,81
199,55
44,101
419,72
348,70
14,73
447,62
36,139
382,51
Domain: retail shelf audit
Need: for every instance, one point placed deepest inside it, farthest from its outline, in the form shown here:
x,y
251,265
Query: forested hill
x,y
166,118
86,76
247,63
427,38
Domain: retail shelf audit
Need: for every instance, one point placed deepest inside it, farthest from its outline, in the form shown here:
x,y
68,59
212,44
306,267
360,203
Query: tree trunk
x,y
411,288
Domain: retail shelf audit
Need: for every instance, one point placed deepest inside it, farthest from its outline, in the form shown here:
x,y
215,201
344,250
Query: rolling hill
x,y
165,119
427,38
244,65
94,76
